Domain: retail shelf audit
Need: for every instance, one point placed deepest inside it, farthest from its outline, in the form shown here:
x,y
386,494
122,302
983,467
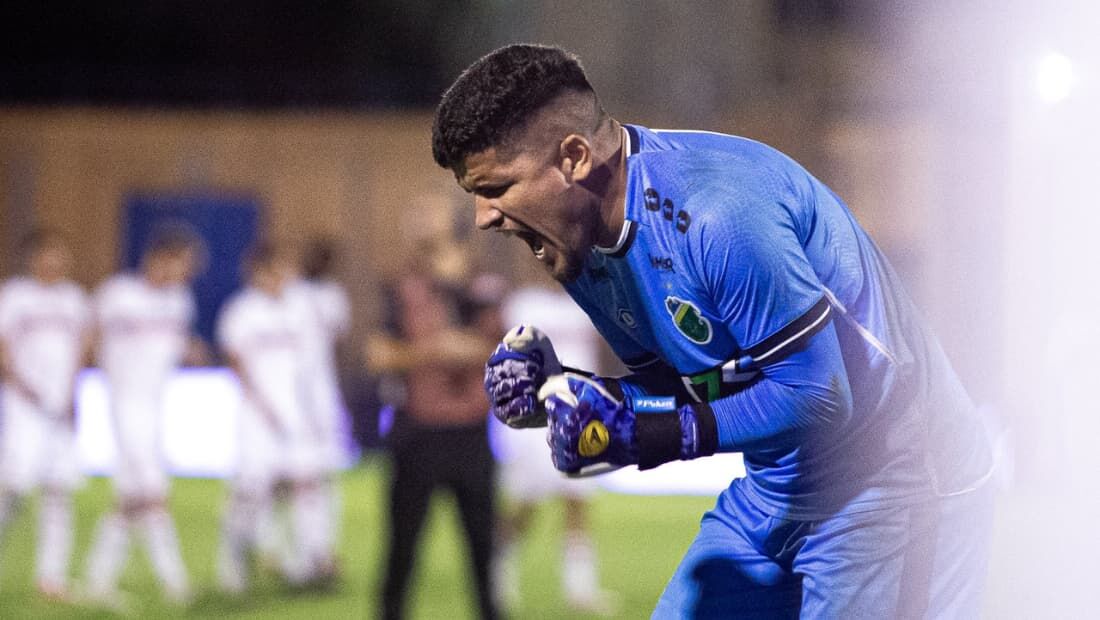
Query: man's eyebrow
x,y
465,183
481,184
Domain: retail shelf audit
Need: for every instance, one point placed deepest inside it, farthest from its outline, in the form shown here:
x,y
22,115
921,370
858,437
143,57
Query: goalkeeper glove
x,y
515,372
593,432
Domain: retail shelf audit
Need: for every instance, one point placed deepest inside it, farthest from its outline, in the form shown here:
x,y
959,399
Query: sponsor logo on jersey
x,y
687,318
594,439
667,209
661,263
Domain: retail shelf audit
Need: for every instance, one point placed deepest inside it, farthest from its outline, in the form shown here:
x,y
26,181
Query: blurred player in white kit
x,y
144,321
529,482
44,320
330,312
263,331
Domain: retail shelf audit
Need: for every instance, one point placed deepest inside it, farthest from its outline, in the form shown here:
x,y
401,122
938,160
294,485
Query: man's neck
x,y
47,280
613,204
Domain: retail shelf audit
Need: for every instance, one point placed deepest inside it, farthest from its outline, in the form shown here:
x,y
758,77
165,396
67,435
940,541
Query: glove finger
x,y
507,379
511,389
564,416
514,409
532,419
502,354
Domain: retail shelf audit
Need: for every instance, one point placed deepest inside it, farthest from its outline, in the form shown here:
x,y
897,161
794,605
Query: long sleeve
x,y
805,391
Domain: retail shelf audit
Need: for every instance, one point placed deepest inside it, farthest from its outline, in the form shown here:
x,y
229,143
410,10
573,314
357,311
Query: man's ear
x,y
575,152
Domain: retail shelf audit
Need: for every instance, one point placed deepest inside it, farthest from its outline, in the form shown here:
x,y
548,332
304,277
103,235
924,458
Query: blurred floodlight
x,y
1054,77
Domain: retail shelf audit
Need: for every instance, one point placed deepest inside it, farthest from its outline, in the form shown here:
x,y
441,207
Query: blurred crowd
x,y
281,334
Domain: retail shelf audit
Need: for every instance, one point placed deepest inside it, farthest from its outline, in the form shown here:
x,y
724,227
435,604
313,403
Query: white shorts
x,y
331,421
526,471
140,471
333,455
264,458
35,450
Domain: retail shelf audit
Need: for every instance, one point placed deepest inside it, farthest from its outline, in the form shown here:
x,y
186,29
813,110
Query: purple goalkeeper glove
x,y
593,432
515,372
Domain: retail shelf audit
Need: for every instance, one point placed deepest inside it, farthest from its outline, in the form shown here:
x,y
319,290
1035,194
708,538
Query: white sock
x,y
55,538
239,536
579,578
332,511
506,575
108,554
164,551
308,507
270,531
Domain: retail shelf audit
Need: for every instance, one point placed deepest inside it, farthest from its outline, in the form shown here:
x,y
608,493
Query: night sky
x,y
253,54
241,53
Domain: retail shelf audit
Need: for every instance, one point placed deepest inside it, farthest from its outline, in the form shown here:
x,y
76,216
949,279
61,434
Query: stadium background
x,y
963,136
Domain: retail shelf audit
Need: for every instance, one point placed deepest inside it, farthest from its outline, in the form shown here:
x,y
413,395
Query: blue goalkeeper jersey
x,y
733,263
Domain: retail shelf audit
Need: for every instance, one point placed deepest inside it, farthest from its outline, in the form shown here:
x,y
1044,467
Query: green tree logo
x,y
687,318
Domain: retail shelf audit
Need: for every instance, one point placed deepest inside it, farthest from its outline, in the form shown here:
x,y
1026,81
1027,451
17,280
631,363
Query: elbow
x,y
833,402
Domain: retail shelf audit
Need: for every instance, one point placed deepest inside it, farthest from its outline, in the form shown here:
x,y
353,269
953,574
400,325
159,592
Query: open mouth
x,y
534,242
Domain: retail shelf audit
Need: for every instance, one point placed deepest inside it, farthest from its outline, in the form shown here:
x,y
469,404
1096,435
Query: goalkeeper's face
x,y
532,192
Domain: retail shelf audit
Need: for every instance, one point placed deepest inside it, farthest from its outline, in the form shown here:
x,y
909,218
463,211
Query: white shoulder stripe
x,y
861,330
703,131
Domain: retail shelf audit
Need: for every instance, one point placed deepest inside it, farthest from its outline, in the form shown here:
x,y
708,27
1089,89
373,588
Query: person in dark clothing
x,y
440,434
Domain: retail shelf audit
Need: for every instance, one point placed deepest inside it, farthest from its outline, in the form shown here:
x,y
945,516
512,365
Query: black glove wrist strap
x,y
658,437
661,437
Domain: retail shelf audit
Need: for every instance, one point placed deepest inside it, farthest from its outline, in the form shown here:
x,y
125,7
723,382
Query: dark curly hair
x,y
497,95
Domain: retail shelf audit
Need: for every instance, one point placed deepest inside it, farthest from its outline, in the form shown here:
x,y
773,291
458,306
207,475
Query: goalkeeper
x,y
756,316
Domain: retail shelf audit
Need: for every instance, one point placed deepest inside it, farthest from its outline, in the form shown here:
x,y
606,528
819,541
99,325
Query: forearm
x,y
248,389
770,413
805,391
11,377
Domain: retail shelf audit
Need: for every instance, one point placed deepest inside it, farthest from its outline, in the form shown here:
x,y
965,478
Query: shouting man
x,y
757,317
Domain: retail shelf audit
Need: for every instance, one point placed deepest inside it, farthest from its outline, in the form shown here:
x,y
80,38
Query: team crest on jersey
x,y
687,318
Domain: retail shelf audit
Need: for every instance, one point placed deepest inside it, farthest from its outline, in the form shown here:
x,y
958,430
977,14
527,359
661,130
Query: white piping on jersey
x,y
803,332
624,234
977,484
644,364
713,133
863,331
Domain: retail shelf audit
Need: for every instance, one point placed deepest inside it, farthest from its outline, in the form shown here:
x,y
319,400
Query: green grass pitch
x,y
640,541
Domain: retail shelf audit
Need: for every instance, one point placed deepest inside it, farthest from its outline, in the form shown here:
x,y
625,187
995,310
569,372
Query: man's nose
x,y
487,215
